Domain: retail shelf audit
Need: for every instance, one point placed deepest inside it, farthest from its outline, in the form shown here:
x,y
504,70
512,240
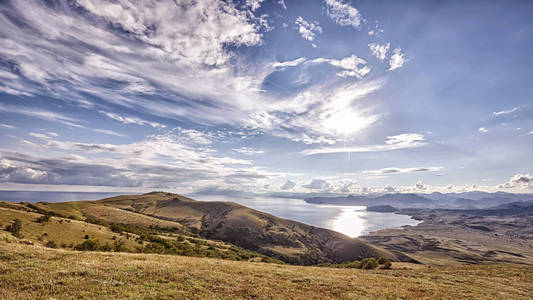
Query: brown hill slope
x,y
287,240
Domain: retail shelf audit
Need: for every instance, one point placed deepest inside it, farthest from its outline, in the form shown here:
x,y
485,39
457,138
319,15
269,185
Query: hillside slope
x,y
63,274
289,241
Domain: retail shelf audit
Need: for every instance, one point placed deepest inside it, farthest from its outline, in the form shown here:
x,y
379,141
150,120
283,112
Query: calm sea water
x,y
350,220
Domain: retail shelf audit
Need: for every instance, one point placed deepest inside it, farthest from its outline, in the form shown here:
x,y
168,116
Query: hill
x,y
62,274
467,200
286,240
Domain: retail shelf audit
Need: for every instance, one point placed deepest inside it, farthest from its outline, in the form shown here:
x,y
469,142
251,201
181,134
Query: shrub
x,y
88,245
386,265
51,244
15,228
43,219
369,263
119,246
106,247
383,260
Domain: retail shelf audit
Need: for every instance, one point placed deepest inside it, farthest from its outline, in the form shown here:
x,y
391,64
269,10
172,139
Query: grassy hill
x,y
29,272
286,240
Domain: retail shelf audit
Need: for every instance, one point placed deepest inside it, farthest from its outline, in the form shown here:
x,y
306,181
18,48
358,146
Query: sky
x,y
256,97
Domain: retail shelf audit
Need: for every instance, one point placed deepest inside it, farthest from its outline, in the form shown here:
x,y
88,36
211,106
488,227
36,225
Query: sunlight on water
x,y
351,221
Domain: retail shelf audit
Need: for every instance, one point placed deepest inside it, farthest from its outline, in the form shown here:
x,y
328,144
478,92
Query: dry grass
x,y
59,230
30,272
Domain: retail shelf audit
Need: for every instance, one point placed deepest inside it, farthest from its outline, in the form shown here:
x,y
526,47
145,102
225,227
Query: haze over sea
x,y
350,220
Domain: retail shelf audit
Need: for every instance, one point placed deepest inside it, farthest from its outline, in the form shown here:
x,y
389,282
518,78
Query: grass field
x,y
34,272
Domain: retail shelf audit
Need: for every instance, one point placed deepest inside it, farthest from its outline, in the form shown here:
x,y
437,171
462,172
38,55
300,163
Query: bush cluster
x,y
369,263
15,228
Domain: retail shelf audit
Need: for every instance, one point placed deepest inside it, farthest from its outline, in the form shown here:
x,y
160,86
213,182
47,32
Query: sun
x,y
347,122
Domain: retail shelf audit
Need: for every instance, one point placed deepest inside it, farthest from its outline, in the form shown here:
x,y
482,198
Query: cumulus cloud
x,y
420,186
505,112
397,59
343,14
317,184
308,30
396,142
519,180
288,185
379,51
482,130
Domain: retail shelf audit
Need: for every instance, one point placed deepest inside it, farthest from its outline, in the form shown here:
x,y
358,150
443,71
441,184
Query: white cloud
x,y
290,63
505,112
317,184
420,186
482,129
131,120
254,4
396,142
7,126
387,171
350,65
343,14
282,3
248,151
397,59
288,185
519,180
319,114
308,30
181,52
379,51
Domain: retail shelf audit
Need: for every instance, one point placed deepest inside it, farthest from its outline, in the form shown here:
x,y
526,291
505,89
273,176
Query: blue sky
x,y
266,97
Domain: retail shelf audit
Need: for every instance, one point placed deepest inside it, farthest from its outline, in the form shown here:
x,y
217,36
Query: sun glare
x,y
347,122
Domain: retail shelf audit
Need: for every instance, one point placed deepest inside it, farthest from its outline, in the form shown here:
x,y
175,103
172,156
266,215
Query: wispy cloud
x,y
505,112
290,63
131,120
483,130
248,151
7,126
387,171
350,65
396,142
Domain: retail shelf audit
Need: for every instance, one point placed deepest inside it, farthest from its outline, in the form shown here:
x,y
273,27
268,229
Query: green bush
x,y
369,263
15,228
386,265
383,260
88,245
43,219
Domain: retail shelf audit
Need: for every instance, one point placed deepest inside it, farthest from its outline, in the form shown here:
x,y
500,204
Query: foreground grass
x,y
28,272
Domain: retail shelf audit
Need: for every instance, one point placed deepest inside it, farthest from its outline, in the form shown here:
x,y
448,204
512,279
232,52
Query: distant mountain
x,y
287,240
467,200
